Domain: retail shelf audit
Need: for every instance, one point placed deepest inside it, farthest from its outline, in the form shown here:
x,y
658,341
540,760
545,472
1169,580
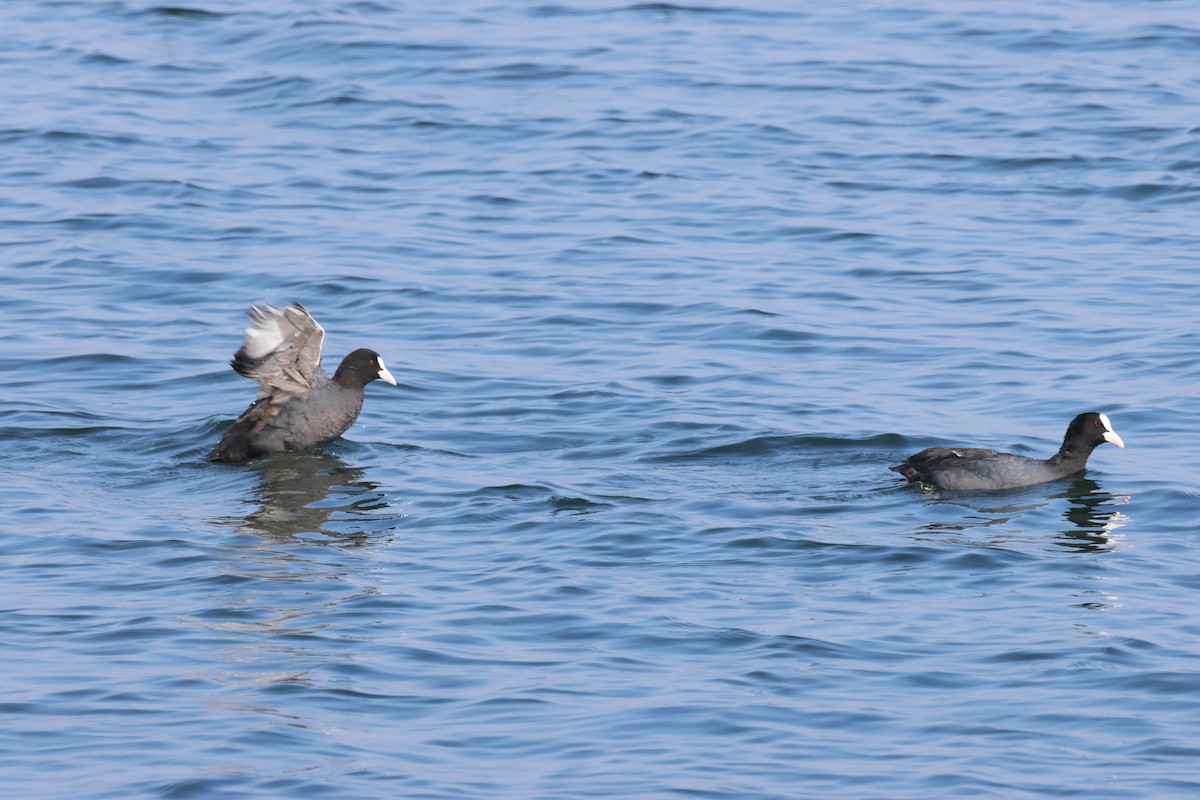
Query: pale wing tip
x,y
270,327
265,331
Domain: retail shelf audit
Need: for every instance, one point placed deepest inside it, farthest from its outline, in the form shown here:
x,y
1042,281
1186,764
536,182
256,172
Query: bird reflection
x,y
1093,517
273,620
304,494
1091,512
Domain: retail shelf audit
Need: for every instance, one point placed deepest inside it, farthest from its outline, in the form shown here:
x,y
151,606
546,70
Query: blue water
x,y
666,288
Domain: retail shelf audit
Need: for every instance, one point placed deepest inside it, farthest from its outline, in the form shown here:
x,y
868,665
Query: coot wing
x,y
281,349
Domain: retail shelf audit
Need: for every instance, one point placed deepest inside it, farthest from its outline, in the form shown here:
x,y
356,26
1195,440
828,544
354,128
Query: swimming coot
x,y
974,469
298,405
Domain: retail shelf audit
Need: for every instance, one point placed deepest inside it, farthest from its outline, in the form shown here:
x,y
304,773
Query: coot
x,y
298,405
973,469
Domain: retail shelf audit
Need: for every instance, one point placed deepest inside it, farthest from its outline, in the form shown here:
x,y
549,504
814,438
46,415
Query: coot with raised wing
x,y
298,405
974,469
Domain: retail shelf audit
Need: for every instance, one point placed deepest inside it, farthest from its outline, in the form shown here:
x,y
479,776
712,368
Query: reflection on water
x,y
1091,511
271,633
1093,517
309,494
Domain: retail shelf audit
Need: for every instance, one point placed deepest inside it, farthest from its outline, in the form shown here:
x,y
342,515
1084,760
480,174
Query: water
x,y
667,287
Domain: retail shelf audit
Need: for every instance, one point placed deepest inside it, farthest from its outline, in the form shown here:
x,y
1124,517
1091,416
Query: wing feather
x,y
281,349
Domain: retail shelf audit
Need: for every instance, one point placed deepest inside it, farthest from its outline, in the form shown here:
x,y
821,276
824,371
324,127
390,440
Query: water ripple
x,y
667,287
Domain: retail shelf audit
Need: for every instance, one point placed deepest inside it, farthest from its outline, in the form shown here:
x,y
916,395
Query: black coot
x,y
974,469
298,405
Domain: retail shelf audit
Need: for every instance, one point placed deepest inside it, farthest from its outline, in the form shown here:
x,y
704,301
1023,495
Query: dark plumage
x,y
975,469
298,405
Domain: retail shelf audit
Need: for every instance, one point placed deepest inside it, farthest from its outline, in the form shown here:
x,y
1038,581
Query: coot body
x,y
298,405
975,469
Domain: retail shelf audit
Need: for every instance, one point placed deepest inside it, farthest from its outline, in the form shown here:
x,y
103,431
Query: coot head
x,y
1091,430
360,368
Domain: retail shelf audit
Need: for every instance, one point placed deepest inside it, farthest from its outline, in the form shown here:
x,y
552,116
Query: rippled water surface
x,y
666,288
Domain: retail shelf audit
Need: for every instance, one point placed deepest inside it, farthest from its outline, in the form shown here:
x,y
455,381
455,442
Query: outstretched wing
x,y
281,349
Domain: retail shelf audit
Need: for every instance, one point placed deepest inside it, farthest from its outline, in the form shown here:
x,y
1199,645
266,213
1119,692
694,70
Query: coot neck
x,y
348,378
1073,454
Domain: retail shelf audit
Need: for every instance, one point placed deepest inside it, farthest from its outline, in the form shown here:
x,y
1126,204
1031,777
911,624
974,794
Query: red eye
x,y
1095,422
